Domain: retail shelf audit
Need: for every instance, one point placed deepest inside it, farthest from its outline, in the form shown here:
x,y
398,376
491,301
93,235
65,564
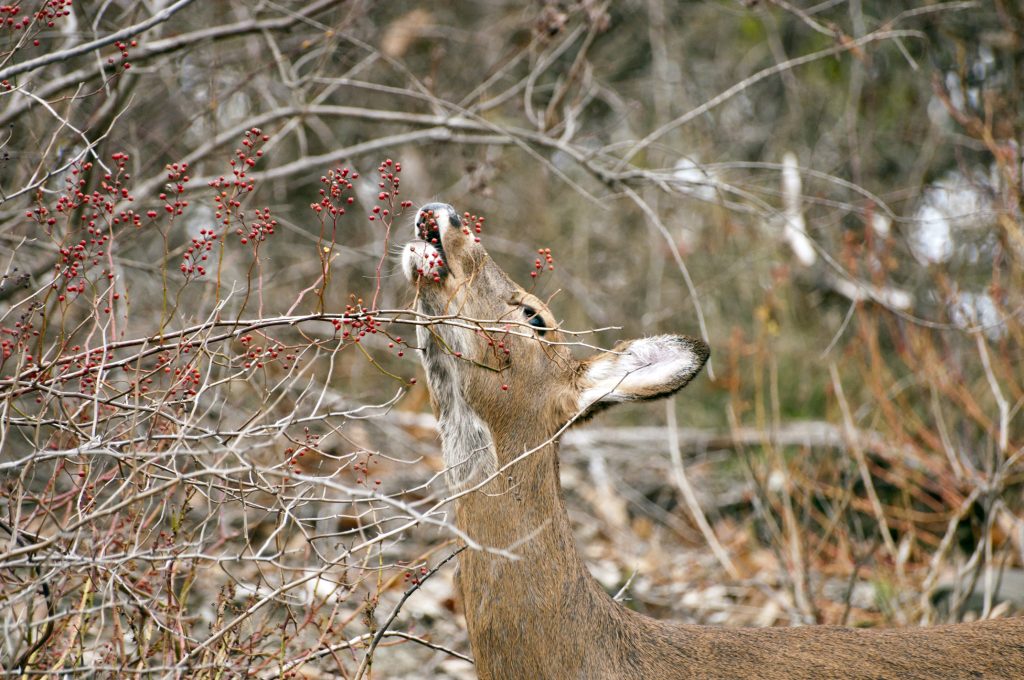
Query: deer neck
x,y
520,510
528,608
539,605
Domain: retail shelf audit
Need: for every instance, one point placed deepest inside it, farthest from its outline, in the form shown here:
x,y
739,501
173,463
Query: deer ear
x,y
646,368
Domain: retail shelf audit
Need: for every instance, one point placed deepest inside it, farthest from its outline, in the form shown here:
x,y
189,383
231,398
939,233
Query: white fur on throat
x,y
420,259
466,441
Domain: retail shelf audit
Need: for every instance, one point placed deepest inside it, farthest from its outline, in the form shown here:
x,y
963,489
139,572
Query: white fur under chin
x,y
466,441
420,259
657,363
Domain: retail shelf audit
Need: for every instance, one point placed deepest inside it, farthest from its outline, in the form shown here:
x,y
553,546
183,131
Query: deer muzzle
x,y
424,260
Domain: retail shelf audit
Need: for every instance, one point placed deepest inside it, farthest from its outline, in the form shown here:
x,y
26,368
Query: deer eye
x,y
534,319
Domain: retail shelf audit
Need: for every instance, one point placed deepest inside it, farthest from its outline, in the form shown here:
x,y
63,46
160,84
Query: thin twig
x,y
692,503
862,464
125,33
367,661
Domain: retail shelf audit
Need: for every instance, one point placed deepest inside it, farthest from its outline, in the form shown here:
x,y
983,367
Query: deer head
x,y
503,378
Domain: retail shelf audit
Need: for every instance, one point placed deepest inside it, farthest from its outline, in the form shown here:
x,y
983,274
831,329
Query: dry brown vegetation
x,y
225,467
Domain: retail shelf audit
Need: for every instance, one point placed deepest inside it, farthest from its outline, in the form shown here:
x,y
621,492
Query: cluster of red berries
x,y
227,199
478,225
122,47
7,345
98,212
362,469
49,13
228,202
416,577
499,346
8,17
337,182
163,363
538,264
259,230
17,339
253,137
186,379
177,176
358,320
389,172
84,363
434,260
197,253
310,443
294,456
73,262
257,355
99,205
434,263
142,385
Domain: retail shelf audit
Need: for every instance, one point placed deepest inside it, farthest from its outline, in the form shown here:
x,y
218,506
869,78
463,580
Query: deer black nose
x,y
437,208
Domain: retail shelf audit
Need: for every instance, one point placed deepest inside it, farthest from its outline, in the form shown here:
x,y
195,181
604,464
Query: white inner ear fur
x,y
645,368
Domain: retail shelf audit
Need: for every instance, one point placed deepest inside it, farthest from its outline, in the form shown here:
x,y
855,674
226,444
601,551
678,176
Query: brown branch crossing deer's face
x,y
502,378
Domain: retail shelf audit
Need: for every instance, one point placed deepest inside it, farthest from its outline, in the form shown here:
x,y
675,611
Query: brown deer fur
x,y
542,615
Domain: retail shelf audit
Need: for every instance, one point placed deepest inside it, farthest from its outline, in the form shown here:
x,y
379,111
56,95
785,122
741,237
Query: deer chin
x,y
423,263
424,259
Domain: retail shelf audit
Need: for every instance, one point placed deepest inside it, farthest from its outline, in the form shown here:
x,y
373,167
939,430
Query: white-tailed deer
x,y
503,389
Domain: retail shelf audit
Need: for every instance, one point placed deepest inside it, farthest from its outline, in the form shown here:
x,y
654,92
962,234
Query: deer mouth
x,y
434,218
424,259
428,229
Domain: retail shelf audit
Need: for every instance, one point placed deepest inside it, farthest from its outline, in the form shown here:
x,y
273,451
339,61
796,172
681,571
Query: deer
x,y
503,392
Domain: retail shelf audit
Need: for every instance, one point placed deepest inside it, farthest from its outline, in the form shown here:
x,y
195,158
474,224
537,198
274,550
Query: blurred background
x,y
217,456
